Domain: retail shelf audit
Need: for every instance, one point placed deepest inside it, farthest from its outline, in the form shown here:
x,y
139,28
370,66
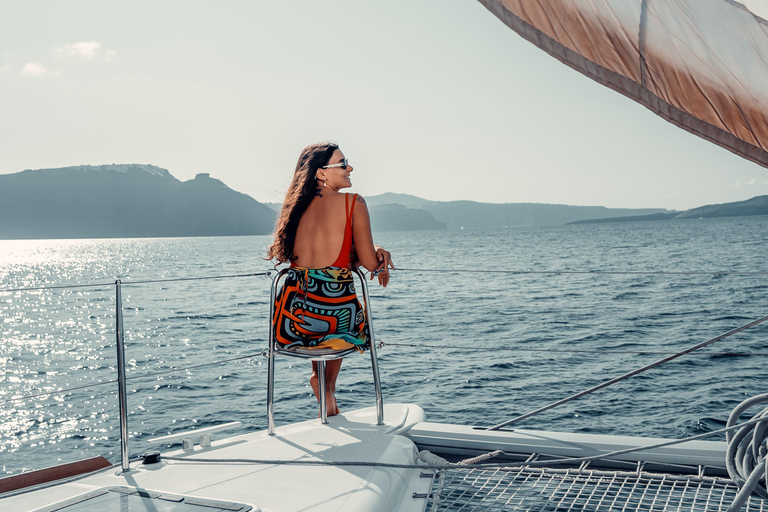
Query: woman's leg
x,y
314,381
332,369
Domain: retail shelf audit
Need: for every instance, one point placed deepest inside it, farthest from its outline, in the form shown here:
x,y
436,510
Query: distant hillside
x,y
396,217
386,216
631,218
475,215
403,199
125,200
134,200
755,206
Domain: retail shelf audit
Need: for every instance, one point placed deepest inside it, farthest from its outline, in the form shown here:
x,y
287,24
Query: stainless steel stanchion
x,y
122,393
374,358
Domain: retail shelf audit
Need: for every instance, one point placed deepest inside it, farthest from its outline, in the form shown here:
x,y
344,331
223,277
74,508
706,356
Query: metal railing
x,y
121,384
320,358
121,360
120,341
120,347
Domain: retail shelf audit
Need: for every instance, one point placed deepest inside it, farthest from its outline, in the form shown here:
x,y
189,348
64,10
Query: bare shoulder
x,y
361,208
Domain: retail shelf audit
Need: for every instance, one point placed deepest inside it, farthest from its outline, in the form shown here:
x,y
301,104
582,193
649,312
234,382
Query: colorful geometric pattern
x,y
318,308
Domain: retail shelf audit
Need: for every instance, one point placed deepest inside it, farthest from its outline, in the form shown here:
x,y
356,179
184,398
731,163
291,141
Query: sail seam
x,y
629,87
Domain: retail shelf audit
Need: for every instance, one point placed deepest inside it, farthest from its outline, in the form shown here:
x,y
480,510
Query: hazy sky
x,y
435,98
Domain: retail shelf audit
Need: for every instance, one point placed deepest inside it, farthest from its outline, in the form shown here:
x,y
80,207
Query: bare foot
x,y
333,410
332,371
331,407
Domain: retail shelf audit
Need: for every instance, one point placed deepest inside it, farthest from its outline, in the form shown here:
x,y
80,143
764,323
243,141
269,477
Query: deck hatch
x,y
130,499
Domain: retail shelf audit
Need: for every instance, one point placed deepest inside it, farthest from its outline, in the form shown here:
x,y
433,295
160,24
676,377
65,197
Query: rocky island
x,y
124,201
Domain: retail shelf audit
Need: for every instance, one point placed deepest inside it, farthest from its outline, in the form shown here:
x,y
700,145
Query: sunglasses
x,y
343,164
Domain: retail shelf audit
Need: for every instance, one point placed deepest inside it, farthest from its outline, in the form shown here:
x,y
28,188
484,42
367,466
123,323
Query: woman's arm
x,y
370,256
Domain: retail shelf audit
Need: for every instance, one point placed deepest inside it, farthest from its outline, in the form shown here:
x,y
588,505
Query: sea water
x,y
478,327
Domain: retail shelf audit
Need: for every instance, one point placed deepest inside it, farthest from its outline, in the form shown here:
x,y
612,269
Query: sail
x,y
700,64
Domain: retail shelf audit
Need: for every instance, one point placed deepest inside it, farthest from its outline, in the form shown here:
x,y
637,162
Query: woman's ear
x,y
320,175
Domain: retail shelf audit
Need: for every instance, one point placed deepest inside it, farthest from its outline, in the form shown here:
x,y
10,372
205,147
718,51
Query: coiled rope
x,y
746,455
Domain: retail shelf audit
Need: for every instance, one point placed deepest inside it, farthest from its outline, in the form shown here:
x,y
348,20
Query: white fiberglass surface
x,y
233,469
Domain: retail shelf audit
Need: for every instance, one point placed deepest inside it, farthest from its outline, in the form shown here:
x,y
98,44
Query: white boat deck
x,y
278,487
258,472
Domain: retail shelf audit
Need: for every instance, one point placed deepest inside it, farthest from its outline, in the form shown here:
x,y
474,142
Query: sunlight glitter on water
x,y
55,340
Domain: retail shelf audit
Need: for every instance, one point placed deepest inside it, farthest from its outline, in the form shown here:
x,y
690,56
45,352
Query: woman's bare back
x,y
320,234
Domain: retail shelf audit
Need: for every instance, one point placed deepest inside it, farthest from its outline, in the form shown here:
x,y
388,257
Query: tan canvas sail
x,y
700,64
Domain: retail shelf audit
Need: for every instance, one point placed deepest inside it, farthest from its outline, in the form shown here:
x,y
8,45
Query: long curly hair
x,y
301,191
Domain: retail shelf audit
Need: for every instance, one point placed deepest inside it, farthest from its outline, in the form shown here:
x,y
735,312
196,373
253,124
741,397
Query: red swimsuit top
x,y
342,261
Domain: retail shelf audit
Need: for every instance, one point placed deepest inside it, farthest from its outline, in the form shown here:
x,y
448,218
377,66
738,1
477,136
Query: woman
x,y
323,233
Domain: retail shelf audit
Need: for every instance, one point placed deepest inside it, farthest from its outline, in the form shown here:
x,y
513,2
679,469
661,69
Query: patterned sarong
x,y
318,308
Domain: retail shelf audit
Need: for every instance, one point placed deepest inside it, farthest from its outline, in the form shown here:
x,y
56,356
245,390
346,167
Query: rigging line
x,y
164,372
97,285
501,465
92,384
455,270
176,370
574,351
669,442
628,375
93,285
595,272
256,274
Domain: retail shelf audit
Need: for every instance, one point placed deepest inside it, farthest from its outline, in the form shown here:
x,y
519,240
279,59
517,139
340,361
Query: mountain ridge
x,y
757,205
144,200
124,201
122,168
466,214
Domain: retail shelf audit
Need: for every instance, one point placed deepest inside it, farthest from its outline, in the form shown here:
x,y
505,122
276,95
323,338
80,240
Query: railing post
x,y
271,352
374,358
321,385
122,394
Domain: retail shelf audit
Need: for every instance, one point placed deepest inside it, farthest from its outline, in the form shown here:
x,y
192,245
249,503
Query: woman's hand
x,y
385,263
